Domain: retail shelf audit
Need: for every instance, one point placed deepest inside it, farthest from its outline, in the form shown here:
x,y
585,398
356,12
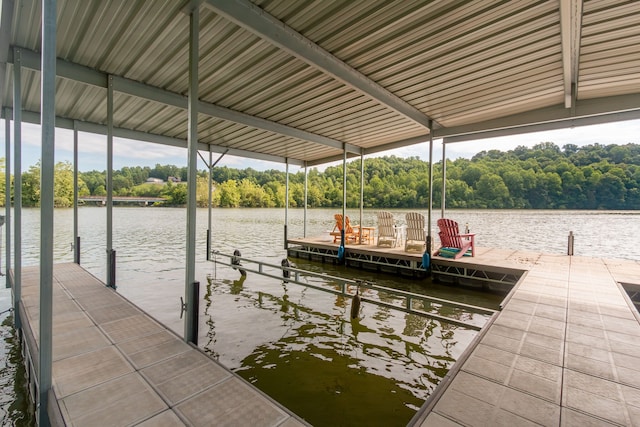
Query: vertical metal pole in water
x,y
17,183
7,204
190,334
430,187
361,191
344,194
209,185
306,198
444,180
47,122
111,281
286,203
76,238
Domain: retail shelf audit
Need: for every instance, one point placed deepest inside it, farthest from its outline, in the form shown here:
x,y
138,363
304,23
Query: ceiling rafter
x,y
570,31
256,20
80,73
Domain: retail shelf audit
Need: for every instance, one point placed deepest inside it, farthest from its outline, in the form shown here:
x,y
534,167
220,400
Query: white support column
x,y
190,324
444,180
47,124
344,196
7,204
361,192
17,183
306,198
111,280
429,238
209,215
76,241
286,203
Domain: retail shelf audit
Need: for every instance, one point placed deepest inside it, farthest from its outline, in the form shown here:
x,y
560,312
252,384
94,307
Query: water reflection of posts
x,y
211,332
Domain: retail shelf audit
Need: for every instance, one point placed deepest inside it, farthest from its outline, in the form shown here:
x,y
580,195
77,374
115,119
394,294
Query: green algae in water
x,y
16,408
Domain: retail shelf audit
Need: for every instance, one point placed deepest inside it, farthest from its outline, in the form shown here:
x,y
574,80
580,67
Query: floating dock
x,y
494,275
115,365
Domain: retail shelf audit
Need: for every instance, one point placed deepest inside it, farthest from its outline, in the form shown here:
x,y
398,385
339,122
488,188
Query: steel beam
x,y
259,22
570,32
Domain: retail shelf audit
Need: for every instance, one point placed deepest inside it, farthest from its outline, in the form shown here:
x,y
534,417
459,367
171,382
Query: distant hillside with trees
x,y
542,177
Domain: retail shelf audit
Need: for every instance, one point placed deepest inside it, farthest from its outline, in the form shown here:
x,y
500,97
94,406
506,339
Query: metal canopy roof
x,y
303,80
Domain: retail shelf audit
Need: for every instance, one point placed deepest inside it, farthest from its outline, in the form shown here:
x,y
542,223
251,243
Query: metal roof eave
x,y
585,112
83,126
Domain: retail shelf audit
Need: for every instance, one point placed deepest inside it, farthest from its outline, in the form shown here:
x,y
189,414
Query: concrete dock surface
x,y
564,351
115,365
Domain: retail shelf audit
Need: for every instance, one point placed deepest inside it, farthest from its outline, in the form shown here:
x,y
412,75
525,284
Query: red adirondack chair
x,y
450,237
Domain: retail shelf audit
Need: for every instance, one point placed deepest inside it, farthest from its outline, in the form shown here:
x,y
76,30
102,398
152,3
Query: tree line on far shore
x,y
541,177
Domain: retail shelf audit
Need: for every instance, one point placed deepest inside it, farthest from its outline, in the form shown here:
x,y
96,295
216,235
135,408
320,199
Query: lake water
x,y
297,344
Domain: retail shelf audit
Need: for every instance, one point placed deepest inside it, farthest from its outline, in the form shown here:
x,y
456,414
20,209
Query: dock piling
x,y
570,244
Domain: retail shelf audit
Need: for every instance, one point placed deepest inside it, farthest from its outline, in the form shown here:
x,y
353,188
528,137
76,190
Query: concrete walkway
x,y
564,351
114,365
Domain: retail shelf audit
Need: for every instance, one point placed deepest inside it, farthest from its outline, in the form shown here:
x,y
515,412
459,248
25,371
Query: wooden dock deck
x,y
565,350
114,365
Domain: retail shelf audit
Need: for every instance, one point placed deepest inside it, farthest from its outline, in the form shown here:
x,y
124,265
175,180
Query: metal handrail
x,y
296,273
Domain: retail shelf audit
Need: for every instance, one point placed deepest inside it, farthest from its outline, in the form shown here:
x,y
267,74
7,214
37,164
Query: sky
x,y
92,151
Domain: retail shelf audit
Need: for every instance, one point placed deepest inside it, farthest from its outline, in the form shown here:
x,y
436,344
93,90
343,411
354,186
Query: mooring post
x,y
570,244
195,300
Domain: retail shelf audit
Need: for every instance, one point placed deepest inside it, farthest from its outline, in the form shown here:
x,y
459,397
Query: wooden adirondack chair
x,y
450,237
416,234
351,232
387,231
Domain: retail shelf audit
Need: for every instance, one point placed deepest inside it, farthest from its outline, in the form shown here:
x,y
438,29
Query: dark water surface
x,y
297,344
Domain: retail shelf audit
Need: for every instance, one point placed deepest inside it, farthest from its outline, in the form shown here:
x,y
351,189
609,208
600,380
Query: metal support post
x,y
47,124
286,203
195,301
190,334
444,180
209,185
111,263
7,203
429,238
110,269
76,254
76,238
17,183
306,199
361,192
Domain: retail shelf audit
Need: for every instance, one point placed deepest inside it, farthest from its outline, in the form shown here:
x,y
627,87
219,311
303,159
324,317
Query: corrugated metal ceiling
x,y
469,65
